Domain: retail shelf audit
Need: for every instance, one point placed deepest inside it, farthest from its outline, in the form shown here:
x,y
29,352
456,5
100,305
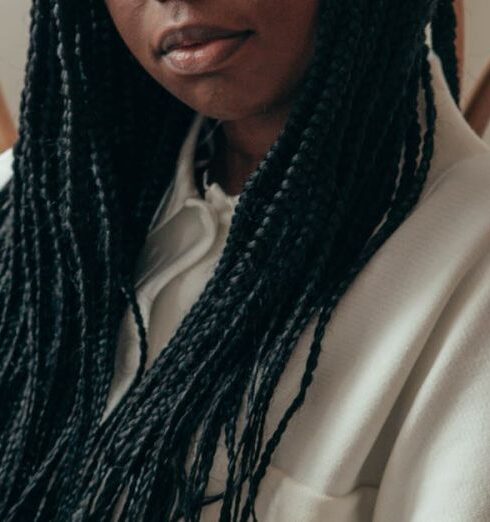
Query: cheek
x,y
129,18
288,29
289,42
272,68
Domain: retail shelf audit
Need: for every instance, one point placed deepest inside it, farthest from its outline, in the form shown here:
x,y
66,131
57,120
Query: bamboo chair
x,y
476,110
8,132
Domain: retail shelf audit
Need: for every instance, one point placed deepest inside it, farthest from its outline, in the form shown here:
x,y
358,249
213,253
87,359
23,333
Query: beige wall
x,y
14,22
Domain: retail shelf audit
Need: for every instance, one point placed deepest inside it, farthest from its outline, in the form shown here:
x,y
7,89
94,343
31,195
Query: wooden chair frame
x,y
8,132
476,110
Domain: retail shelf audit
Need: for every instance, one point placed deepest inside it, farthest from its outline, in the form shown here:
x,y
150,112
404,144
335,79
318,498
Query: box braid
x,y
75,214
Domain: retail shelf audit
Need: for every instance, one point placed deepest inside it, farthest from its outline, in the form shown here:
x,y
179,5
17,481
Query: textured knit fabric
x,y
396,424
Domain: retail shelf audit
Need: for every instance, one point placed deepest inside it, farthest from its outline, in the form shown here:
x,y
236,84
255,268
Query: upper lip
x,y
192,34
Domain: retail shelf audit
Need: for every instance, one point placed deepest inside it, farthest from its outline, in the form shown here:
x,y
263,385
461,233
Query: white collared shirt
x,y
396,423
187,234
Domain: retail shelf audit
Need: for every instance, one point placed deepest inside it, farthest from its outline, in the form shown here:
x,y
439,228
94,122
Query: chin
x,y
223,100
224,109
231,109
221,113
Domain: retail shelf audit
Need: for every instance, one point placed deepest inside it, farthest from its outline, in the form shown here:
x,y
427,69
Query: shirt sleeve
x,y
439,467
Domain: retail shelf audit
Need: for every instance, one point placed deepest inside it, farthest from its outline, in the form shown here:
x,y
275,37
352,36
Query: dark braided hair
x,y
74,217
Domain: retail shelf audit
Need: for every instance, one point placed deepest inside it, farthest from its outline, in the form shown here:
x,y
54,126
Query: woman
x,y
245,267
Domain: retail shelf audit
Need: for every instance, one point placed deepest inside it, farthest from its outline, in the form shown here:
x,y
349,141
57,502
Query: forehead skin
x,y
262,75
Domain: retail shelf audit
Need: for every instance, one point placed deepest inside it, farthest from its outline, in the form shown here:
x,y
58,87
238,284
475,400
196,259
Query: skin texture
x,y
252,92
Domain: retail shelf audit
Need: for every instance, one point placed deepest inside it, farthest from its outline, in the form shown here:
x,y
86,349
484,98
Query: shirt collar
x,y
194,157
183,184
454,138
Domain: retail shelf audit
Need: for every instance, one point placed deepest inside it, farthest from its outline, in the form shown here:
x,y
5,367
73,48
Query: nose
x,y
176,8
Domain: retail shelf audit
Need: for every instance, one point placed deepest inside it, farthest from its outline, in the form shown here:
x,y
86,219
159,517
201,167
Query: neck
x,y
241,145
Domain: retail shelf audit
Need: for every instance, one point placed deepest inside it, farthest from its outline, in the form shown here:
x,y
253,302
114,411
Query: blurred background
x,y
14,25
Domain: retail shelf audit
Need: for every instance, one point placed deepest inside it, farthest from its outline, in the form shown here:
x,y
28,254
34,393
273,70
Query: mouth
x,y
198,49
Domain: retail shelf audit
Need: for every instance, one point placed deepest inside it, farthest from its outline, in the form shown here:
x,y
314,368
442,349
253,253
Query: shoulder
x,y
456,201
6,162
460,155
449,230
470,172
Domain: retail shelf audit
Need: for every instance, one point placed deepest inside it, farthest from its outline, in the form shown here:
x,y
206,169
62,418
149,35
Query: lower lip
x,y
204,57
